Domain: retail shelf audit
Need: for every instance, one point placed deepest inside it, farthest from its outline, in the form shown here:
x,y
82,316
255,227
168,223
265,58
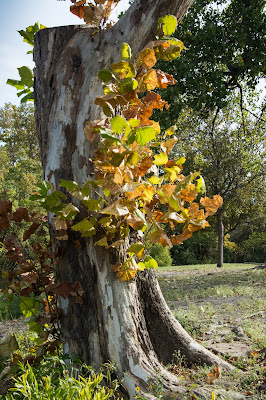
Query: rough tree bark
x,y
128,323
220,226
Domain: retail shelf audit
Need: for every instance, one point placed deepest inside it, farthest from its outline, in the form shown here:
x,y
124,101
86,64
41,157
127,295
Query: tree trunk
x,y
220,257
127,323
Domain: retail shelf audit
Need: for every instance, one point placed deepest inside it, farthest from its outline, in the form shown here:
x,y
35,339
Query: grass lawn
x,y
224,309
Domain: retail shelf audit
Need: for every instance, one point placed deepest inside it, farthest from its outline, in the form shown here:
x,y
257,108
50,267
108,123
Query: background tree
x,y
232,157
20,167
127,322
225,43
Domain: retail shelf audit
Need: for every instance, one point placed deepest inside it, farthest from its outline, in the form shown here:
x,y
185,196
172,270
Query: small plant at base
x,y
54,380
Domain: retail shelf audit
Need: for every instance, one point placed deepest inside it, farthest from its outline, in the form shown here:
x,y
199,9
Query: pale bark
x,y
220,228
128,323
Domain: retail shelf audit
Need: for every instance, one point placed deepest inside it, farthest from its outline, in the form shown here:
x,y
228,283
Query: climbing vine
x,y
138,183
137,191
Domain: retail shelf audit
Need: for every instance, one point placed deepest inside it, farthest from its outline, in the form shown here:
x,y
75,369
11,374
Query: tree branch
x,y
139,23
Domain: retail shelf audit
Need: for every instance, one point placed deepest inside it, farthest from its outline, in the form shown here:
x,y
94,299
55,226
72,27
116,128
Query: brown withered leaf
x,y
20,214
145,164
93,15
5,207
26,292
63,289
29,277
4,222
155,99
34,226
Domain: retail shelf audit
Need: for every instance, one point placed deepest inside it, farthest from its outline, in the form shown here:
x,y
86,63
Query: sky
x,y
17,15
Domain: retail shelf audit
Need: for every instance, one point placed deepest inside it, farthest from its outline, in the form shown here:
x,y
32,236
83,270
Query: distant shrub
x,y
161,255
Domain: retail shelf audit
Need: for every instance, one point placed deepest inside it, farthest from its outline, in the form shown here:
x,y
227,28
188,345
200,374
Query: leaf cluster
x,y
139,185
32,278
95,13
24,86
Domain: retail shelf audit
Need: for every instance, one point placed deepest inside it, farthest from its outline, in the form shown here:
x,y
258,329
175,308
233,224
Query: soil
x,y
9,327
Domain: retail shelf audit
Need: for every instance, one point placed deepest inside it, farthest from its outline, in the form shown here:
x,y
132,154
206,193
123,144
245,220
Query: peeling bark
x,y
127,323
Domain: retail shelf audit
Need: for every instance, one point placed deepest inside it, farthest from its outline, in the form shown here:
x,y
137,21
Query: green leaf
x,y
102,242
145,135
149,262
92,205
8,344
160,159
117,158
176,42
26,76
28,97
128,85
43,188
71,186
85,227
133,158
118,125
168,23
105,221
68,212
55,198
105,75
125,52
85,190
15,83
180,161
133,122
28,305
108,134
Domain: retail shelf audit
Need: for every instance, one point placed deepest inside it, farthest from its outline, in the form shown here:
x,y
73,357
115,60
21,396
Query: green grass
x,y
209,301
208,267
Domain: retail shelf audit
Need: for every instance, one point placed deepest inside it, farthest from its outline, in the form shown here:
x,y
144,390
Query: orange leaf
x,y
147,58
189,193
180,238
134,221
164,79
211,205
78,8
213,375
148,81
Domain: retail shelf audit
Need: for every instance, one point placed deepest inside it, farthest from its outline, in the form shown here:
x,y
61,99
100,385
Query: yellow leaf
x,y
154,180
160,159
